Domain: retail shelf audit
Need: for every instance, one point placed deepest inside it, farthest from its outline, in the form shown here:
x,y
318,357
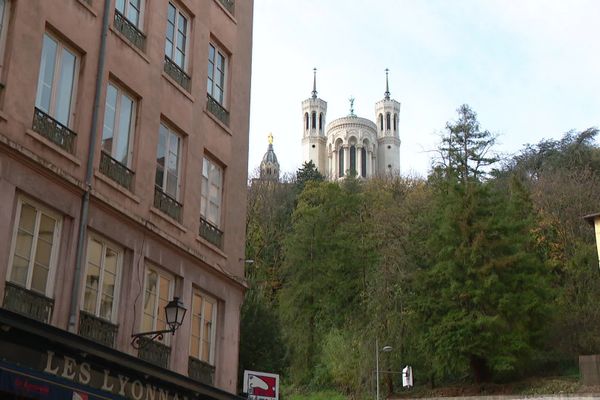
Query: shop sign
x,y
261,385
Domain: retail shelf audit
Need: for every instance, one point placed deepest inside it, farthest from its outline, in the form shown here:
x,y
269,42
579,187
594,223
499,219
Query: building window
x,y
212,192
321,122
363,162
381,121
387,121
4,12
34,247
352,159
102,278
56,81
204,317
158,291
177,33
306,120
119,121
395,121
132,10
168,161
217,73
341,162
313,117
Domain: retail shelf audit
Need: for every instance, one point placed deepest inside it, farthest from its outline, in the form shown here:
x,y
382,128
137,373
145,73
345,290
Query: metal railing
x,y
97,329
211,233
228,4
53,130
167,204
116,171
27,302
201,371
154,352
130,31
178,74
217,110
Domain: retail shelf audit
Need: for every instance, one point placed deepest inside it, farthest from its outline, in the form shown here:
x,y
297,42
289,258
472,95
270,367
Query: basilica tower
x,y
387,117
314,140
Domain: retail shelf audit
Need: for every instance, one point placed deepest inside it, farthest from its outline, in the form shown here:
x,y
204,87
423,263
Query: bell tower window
x,y
313,118
387,121
306,120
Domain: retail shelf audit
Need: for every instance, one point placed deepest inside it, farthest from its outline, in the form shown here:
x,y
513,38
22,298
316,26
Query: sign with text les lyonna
x,y
261,385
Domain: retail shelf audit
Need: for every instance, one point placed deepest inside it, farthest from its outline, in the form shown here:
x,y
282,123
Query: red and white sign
x,y
261,385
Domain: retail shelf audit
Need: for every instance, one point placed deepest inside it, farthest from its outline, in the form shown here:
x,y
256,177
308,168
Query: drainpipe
x,y
85,201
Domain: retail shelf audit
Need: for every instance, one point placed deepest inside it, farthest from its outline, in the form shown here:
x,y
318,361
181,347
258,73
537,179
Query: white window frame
x,y
186,50
124,12
117,249
55,244
211,84
56,78
5,8
213,334
162,274
207,182
171,133
116,132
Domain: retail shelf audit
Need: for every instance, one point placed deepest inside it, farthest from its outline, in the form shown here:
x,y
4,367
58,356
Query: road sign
x,y
261,385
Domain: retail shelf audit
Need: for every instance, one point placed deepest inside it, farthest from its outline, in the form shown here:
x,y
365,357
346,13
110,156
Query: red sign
x,y
261,385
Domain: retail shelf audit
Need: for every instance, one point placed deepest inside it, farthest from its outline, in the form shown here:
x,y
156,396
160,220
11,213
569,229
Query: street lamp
x,y
174,313
385,349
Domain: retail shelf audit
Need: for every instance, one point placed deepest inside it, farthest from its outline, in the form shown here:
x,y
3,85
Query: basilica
x,y
347,145
352,144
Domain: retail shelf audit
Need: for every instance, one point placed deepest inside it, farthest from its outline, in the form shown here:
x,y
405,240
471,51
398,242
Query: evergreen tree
x,y
481,304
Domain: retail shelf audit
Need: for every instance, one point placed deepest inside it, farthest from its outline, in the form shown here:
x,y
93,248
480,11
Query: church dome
x,y
269,167
270,156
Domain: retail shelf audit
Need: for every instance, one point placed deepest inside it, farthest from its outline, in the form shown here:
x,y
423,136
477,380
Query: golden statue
x,y
270,137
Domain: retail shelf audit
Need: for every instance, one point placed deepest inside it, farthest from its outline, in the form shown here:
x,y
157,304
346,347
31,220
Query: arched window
x,y
313,117
387,121
341,162
395,121
363,163
321,122
381,121
352,160
306,120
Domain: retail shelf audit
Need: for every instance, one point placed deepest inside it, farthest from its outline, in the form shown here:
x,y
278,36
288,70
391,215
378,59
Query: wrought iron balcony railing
x,y
116,171
178,74
130,31
201,371
53,130
229,5
217,110
27,302
211,233
167,204
97,329
154,352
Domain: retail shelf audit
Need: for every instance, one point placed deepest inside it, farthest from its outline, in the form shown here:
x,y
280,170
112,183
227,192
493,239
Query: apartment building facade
x,y
123,167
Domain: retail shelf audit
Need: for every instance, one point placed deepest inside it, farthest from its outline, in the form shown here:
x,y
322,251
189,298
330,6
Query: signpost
x,y
261,385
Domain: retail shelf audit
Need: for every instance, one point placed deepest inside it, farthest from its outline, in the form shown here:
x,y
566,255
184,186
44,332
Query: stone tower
x,y
314,140
387,118
269,167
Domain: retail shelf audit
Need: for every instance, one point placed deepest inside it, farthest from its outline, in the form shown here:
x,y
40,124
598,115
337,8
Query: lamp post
x,y
385,349
174,313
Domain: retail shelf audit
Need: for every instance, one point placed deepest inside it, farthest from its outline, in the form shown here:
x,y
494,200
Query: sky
x,y
530,69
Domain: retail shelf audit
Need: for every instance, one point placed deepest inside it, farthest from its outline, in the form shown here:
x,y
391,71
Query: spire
x,y
387,86
314,92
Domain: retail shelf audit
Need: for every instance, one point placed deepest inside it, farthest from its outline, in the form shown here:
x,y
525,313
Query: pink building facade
x,y
123,168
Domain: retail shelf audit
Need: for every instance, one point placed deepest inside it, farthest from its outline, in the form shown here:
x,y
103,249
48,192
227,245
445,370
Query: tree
x,y
482,302
308,172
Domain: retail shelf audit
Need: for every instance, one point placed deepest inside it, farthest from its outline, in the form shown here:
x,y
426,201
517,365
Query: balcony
x,y
27,302
201,371
228,4
178,74
116,171
154,352
211,233
97,329
217,110
167,204
130,31
53,130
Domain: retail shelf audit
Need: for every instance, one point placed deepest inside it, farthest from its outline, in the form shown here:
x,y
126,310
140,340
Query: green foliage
x,y
308,172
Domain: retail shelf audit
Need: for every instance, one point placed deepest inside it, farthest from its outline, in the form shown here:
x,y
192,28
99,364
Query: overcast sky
x,y
530,69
